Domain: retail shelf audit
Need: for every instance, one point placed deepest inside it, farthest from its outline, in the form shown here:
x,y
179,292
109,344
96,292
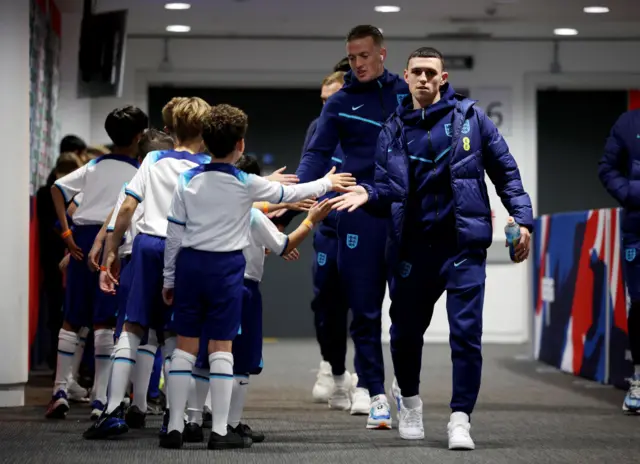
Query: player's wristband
x,y
308,223
66,233
265,207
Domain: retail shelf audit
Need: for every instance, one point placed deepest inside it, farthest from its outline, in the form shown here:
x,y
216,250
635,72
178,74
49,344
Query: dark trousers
x,y
422,275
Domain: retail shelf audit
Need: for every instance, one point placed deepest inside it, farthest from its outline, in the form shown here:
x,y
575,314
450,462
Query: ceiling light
x,y
177,6
565,31
595,9
387,9
178,28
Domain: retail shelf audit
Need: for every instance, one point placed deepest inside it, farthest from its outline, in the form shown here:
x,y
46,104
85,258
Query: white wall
x,y
290,64
14,251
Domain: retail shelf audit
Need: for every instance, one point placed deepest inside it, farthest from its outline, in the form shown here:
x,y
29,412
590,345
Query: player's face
x,y
328,90
366,58
425,77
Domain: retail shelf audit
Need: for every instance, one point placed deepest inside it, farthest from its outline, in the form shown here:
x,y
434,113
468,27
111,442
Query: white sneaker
x,y
76,393
458,429
340,396
410,422
323,387
379,413
360,402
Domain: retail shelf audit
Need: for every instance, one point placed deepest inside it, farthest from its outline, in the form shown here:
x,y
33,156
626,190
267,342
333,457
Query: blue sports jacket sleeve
x,y
613,165
287,217
381,193
504,173
311,130
317,157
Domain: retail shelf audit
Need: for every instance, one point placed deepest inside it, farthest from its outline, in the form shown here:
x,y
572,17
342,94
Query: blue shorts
x,y
247,347
145,306
85,304
122,292
631,271
207,300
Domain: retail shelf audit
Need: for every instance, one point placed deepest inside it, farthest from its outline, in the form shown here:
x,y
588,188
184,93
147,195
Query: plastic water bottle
x,y
512,232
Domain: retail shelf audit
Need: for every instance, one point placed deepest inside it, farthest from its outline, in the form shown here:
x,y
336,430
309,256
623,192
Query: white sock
x,y
198,390
240,387
67,342
167,352
123,361
411,402
636,369
145,357
77,357
221,386
207,402
103,347
179,380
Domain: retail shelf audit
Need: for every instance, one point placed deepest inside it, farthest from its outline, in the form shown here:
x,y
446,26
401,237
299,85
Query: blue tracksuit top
x,y
476,147
352,118
430,206
619,171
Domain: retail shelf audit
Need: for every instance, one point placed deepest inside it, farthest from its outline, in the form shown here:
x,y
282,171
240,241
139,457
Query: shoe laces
x,y
412,417
634,387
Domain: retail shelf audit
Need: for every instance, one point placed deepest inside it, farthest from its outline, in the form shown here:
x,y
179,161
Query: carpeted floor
x,y
526,413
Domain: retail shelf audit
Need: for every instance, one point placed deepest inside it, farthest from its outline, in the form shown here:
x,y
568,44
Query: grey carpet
x,y
526,413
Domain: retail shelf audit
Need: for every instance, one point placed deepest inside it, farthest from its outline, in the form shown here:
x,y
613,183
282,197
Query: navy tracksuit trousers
x,y
362,272
423,273
330,305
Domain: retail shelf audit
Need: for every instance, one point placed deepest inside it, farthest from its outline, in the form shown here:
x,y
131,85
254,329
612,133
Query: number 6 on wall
x,y
496,103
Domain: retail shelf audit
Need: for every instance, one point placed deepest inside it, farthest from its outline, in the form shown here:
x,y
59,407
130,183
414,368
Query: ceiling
x,y
524,19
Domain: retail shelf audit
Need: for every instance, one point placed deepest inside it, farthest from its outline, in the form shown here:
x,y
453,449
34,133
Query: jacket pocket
x,y
468,167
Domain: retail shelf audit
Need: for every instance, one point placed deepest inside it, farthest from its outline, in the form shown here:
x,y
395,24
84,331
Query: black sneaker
x,y
229,441
192,433
245,431
165,424
135,418
107,425
172,440
207,419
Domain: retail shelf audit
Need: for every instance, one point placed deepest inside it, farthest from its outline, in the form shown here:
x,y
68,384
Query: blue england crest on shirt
x,y
352,241
405,269
322,259
466,127
630,254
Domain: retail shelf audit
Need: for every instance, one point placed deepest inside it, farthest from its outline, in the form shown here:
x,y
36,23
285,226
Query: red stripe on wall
x,y
56,18
34,274
634,99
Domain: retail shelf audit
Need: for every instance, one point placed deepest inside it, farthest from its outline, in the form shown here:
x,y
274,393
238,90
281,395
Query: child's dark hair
x,y
72,143
153,140
223,128
124,124
249,164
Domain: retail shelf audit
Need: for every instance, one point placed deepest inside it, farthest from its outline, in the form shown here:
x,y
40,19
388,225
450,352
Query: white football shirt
x,y
154,185
98,182
211,208
264,235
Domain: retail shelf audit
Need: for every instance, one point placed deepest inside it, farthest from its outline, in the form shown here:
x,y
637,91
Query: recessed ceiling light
x,y
177,6
178,28
565,31
387,9
595,9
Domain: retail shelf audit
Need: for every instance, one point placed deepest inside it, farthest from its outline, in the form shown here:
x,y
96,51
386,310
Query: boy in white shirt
x,y
247,346
146,313
98,182
209,222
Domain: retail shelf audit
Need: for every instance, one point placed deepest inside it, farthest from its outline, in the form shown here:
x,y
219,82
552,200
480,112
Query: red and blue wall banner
x,y
580,301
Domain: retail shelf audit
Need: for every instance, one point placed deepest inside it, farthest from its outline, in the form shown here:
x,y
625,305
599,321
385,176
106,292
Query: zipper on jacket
x,y
384,110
